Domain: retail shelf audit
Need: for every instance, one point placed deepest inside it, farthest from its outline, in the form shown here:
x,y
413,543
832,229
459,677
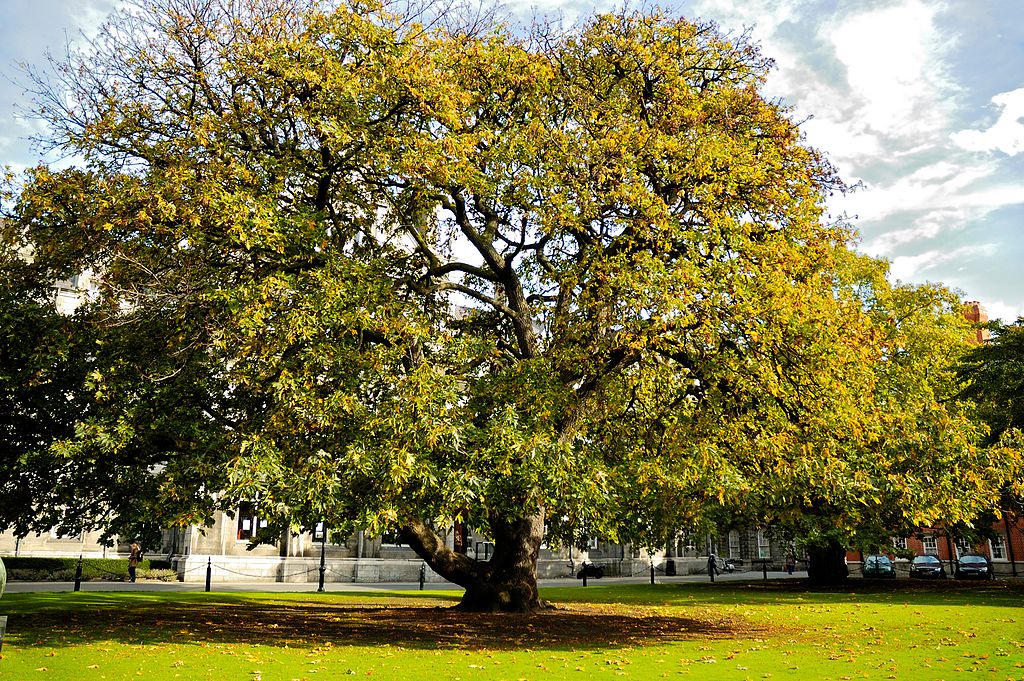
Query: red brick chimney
x,y
975,313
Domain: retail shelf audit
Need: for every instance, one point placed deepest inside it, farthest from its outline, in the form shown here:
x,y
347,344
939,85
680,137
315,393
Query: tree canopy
x,y
992,374
992,380
383,270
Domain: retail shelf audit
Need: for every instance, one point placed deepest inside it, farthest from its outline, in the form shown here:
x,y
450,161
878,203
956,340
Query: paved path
x,y
236,587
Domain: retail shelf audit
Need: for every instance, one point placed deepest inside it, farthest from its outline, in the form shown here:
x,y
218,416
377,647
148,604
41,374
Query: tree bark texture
x,y
507,582
827,564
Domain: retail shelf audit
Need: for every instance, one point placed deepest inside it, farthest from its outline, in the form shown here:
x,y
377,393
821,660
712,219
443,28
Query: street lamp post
x,y
323,549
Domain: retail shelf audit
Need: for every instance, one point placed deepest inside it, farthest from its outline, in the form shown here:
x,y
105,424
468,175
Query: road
x,y
285,587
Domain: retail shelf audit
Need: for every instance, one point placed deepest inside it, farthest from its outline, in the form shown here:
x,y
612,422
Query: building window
x,y
248,523
997,547
963,547
391,538
899,542
930,545
734,544
484,548
764,549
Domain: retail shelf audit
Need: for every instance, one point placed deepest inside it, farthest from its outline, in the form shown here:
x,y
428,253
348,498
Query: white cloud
x,y
915,267
926,227
894,59
875,81
1006,135
933,205
732,14
941,185
568,12
1007,312
90,15
847,143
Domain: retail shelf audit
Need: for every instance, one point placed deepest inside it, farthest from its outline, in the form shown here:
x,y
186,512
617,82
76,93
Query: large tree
x,y
382,270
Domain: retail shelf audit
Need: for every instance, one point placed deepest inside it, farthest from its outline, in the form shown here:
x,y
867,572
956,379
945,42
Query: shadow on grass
x,y
606,616
291,622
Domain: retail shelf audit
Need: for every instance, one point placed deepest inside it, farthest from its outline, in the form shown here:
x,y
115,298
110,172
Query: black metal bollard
x,y
764,569
323,564
423,575
209,573
652,573
583,571
78,574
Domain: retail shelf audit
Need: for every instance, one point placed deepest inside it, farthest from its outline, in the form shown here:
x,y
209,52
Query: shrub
x,y
159,574
62,569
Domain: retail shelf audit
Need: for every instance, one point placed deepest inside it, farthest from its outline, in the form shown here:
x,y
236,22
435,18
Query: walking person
x,y
712,565
134,557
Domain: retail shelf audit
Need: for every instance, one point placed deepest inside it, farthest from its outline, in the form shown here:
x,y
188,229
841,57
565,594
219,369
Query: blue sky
x,y
921,101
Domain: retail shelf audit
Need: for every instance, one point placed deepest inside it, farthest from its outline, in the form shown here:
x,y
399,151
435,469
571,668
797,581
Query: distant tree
x,y
993,378
41,396
904,454
78,449
381,271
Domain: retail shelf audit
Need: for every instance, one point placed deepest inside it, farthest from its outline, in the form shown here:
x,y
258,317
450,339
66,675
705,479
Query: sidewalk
x,y
298,587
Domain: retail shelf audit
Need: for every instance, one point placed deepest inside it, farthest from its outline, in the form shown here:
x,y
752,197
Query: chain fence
x,y
635,569
211,568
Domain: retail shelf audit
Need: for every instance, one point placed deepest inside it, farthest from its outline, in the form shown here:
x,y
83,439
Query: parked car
x,y
973,566
590,570
927,567
878,566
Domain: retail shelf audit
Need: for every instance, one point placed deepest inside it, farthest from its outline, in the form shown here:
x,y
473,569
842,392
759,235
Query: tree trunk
x,y
505,583
827,563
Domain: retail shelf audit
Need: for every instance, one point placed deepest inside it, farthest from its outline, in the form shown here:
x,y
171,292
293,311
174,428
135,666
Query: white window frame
x,y
930,544
899,542
764,547
997,547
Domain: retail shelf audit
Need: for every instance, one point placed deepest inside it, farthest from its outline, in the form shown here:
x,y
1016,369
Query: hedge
x,y
43,568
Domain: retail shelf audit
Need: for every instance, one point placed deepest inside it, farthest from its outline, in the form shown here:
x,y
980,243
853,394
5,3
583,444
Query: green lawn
x,y
699,631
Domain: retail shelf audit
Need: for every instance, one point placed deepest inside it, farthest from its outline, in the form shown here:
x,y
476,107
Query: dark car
x,y
590,570
927,567
974,567
878,567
